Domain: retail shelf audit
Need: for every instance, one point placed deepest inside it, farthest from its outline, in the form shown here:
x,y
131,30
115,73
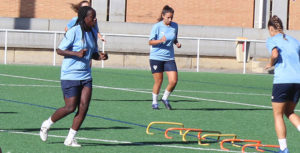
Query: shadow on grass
x,y
8,112
67,129
143,100
149,143
224,109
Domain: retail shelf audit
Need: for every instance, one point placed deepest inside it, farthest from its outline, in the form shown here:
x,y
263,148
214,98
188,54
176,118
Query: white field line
x,y
138,89
211,92
28,85
23,77
147,92
119,142
207,92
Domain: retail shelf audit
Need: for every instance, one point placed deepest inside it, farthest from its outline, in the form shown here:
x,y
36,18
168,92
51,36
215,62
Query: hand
x,y
81,53
178,45
102,39
163,39
103,56
268,66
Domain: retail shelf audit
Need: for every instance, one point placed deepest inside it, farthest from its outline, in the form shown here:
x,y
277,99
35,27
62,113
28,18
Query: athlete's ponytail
x,y
276,23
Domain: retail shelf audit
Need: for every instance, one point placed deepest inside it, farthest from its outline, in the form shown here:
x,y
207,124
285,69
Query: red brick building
x,y
234,13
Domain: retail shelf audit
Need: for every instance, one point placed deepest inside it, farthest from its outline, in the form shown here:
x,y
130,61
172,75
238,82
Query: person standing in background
x,y
285,57
163,36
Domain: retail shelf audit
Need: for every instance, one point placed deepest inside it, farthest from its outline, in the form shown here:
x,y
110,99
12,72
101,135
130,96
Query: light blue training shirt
x,y
73,67
163,51
287,67
72,22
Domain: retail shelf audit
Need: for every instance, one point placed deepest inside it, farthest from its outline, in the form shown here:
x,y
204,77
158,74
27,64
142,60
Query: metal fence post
x,y
54,49
198,55
103,49
245,56
5,48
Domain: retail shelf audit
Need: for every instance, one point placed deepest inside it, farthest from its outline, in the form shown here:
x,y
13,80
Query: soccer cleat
x,y
71,143
155,106
167,104
44,133
284,151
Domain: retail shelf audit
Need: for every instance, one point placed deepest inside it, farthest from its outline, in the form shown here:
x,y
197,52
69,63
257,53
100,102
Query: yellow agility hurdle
x,y
160,122
199,132
215,135
181,129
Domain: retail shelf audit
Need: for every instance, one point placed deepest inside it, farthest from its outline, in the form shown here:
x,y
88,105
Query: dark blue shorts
x,y
286,92
73,88
161,66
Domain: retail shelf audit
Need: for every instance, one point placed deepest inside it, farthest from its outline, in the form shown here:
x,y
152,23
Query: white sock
x,y
282,144
154,98
166,95
71,134
298,127
48,123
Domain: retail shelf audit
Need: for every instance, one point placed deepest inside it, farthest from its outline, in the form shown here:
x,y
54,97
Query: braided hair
x,y
166,9
276,23
82,14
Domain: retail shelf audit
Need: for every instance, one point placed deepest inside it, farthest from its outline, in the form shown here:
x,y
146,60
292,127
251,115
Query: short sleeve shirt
x,y
73,67
287,67
163,51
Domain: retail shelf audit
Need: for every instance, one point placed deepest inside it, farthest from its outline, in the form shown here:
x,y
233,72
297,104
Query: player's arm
x,y
177,43
273,58
99,56
156,42
176,40
100,36
79,54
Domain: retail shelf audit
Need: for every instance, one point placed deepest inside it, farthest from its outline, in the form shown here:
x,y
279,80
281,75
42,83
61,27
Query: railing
x,y
198,39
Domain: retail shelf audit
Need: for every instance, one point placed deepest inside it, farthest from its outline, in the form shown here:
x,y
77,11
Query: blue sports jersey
x,y
163,51
73,22
287,67
73,67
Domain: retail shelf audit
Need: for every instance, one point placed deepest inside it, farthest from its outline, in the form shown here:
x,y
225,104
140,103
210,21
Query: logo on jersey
x,y
154,67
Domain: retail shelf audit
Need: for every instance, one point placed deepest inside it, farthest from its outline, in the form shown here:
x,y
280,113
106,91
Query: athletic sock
x,y
282,144
71,134
166,95
154,98
298,127
48,123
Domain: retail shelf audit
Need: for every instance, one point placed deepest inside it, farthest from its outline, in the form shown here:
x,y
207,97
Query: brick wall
x,y
238,13
49,9
294,15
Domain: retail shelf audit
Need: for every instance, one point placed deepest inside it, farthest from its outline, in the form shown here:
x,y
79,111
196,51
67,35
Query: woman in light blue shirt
x,y
163,36
72,22
285,57
78,46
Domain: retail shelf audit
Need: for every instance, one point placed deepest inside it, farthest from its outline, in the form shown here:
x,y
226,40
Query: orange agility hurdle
x,y
258,145
238,140
181,129
159,122
215,135
199,133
